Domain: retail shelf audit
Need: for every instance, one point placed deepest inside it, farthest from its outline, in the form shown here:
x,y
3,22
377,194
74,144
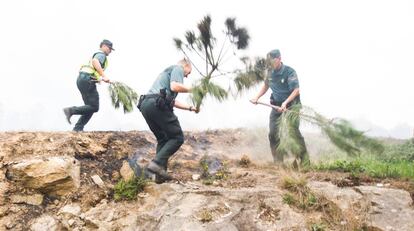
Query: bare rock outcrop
x,y
379,208
56,176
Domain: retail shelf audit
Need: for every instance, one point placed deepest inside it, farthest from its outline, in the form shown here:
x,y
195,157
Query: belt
x,y
86,74
151,96
295,101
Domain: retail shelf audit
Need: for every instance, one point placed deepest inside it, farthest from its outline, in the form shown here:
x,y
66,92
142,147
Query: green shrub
x,y
128,190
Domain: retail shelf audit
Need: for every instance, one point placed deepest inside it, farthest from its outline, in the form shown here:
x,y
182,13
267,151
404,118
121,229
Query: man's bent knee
x,y
95,108
180,139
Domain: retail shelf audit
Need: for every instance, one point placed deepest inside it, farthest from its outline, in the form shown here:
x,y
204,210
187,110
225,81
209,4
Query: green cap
x,y
274,53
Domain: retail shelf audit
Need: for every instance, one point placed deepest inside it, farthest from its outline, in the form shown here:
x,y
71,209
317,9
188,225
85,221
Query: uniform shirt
x,y
173,73
101,57
282,82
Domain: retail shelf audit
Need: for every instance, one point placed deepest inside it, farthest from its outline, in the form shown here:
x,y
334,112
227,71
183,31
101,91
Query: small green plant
x,y
128,190
317,227
300,196
311,200
204,166
289,199
294,184
221,174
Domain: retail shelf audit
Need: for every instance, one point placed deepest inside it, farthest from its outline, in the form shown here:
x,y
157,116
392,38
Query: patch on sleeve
x,y
293,78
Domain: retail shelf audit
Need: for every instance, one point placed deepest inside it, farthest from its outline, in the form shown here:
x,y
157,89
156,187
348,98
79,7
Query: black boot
x,y
68,114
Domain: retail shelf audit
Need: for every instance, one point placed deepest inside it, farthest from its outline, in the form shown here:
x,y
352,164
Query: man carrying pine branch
x,y
157,109
284,83
89,75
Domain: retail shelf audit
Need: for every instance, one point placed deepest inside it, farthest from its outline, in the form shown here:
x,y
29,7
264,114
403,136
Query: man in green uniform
x,y
89,75
157,108
284,83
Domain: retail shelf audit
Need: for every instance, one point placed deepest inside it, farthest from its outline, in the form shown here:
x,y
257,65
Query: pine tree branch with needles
x,y
339,131
122,95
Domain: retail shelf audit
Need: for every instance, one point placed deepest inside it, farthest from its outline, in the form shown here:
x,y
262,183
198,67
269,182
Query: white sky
x,y
353,58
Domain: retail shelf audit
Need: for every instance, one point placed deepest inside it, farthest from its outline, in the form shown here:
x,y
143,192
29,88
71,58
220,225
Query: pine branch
x,y
252,75
204,88
340,132
122,94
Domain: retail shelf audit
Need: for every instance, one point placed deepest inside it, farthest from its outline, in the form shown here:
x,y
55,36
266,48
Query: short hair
x,y
184,62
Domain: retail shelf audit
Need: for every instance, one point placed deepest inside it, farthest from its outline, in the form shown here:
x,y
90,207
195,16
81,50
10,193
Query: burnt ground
x,y
102,153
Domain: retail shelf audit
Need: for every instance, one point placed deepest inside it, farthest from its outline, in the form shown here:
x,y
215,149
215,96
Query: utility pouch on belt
x,y
277,103
141,98
164,102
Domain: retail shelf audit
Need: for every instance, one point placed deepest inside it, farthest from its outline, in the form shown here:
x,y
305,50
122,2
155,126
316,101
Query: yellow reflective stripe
x,y
105,64
90,69
87,69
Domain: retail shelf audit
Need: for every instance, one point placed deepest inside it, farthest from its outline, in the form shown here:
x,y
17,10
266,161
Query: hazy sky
x,y
353,58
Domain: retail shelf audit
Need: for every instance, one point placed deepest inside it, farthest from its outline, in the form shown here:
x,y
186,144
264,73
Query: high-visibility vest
x,y
90,69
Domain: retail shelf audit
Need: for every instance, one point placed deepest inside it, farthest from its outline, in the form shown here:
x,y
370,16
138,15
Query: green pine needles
x,y
122,95
339,131
205,87
253,74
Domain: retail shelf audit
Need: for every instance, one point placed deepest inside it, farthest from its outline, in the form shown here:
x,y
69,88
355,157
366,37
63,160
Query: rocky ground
x,y
65,181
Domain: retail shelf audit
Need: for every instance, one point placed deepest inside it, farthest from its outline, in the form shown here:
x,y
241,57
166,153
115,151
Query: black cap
x,y
108,43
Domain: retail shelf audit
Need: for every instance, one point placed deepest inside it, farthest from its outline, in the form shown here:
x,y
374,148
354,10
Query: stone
x,y
196,176
100,217
71,210
389,209
44,222
56,176
4,187
344,198
71,222
115,175
35,199
3,210
69,216
98,181
126,171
